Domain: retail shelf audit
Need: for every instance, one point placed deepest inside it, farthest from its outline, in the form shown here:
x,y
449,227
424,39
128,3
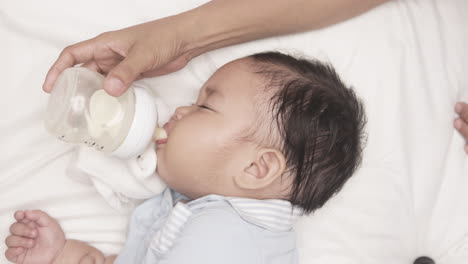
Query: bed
x,y
406,59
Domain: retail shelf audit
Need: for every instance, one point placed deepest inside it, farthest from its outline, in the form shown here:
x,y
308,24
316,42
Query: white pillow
x,y
406,59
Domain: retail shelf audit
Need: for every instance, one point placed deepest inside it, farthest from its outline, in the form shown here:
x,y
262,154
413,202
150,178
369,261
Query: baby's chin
x,y
160,171
160,168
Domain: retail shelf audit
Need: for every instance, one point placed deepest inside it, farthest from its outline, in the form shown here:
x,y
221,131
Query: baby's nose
x,y
180,112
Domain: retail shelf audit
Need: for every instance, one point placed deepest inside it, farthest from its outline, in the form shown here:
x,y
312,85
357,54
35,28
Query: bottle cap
x,y
143,125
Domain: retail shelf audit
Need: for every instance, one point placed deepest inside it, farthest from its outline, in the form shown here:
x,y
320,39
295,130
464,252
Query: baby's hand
x,y
36,238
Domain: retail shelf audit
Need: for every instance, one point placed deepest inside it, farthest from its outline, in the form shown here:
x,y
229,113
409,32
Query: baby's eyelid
x,y
206,107
203,106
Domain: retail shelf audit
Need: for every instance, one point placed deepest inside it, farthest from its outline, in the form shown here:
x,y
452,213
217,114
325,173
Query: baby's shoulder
x,y
220,233
216,234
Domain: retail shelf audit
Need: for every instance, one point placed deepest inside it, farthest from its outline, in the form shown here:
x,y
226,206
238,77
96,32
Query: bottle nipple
x,y
159,133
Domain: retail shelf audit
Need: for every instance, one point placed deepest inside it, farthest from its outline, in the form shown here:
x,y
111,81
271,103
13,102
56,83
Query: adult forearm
x,y
221,23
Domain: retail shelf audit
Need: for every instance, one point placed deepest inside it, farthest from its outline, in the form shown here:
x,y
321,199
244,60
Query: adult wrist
x,y
208,27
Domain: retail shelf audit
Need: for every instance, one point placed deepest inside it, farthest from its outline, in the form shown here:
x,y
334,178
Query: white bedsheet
x,y
406,59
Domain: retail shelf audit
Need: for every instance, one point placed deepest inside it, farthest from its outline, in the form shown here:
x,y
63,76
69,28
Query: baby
x,y
269,137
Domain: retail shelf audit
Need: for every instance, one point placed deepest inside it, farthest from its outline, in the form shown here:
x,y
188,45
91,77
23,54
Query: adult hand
x,y
149,49
461,123
167,45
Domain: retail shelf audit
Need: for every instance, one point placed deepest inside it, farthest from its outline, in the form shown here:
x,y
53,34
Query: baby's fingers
x,y
13,241
20,229
12,253
41,218
19,215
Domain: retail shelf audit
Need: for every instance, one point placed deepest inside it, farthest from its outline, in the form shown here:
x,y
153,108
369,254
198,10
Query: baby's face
x,y
205,148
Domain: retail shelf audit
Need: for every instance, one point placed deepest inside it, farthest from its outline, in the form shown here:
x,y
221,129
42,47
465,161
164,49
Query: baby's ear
x,y
269,164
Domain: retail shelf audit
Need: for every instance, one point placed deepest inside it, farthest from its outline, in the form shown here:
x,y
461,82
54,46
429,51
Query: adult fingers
x,y
92,65
170,67
12,253
128,70
462,127
70,56
462,110
20,229
17,241
461,123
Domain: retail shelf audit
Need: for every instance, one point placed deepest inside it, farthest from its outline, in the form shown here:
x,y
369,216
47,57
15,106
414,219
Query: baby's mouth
x,y
160,135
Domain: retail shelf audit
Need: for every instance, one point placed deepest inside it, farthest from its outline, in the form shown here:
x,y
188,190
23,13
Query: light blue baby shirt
x,y
211,230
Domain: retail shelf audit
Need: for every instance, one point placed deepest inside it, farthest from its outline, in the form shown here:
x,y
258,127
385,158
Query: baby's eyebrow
x,y
210,91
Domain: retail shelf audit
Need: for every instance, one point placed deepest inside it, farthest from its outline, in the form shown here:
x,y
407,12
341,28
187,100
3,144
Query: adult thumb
x,y
123,74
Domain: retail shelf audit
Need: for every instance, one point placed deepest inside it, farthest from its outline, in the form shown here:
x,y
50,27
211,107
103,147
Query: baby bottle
x,y
79,111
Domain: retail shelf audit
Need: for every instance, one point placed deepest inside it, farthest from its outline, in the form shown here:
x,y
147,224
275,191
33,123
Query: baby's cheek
x,y
168,162
161,168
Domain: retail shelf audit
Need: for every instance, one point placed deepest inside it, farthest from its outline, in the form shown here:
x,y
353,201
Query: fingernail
x,y
44,87
458,108
115,86
457,124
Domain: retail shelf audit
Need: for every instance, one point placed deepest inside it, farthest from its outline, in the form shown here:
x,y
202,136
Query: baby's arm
x,y
78,252
38,238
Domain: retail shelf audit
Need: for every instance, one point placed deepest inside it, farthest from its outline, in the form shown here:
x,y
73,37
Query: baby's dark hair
x,y
320,121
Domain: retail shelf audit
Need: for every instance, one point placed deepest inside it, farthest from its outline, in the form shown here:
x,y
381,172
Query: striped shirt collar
x,y
272,214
